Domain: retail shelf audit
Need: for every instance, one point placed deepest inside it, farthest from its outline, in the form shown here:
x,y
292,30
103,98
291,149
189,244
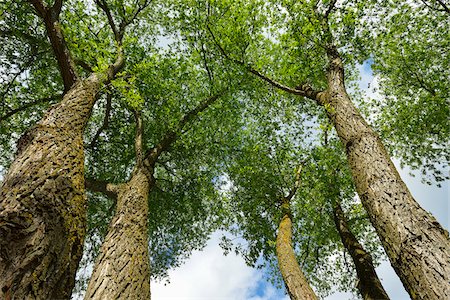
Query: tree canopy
x,y
232,97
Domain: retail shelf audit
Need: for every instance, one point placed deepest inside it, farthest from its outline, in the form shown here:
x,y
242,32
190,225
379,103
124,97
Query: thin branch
x,y
445,7
171,135
205,62
102,4
139,9
138,138
280,175
22,69
303,90
30,104
330,9
84,65
297,182
105,123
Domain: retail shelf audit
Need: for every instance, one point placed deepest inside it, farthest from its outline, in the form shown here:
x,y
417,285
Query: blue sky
x,y
210,275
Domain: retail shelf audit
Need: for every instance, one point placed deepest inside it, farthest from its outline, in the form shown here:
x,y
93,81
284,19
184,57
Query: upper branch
x,y
50,17
125,22
330,9
104,6
296,183
303,90
105,123
40,7
171,135
442,4
138,137
57,6
445,7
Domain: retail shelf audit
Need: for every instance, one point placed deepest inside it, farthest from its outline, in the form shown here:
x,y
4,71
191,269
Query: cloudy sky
x,y
210,275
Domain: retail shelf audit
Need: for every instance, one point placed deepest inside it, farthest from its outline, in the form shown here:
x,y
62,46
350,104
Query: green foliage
x,y
179,53
28,73
410,61
260,169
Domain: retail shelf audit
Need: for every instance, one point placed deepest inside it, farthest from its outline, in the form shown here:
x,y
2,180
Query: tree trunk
x,y
42,202
369,285
416,244
122,270
295,282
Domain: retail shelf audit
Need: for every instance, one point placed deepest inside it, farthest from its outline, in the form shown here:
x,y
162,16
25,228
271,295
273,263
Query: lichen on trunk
x,y
369,285
296,284
42,202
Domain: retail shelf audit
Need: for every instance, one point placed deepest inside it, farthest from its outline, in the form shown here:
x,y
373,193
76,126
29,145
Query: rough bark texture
x,y
296,283
42,202
122,270
416,244
369,285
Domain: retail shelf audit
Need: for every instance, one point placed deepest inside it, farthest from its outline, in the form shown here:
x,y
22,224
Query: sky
x,y
210,275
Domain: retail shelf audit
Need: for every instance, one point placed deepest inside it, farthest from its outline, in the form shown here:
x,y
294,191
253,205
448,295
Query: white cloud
x,y
211,275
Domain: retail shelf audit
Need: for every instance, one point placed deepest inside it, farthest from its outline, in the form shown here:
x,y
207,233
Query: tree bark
x,y
296,284
42,202
369,285
416,244
122,270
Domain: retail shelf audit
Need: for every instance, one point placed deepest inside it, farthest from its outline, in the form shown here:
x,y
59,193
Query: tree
x,y
368,284
305,42
43,239
296,284
266,196
122,269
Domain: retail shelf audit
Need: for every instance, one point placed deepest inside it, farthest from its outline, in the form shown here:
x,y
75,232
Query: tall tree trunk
x,y
42,202
122,270
369,285
416,244
295,282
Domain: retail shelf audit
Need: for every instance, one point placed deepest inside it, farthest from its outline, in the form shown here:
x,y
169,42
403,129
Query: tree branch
x,y
84,65
116,66
105,123
297,182
25,106
138,138
57,41
102,4
171,135
40,7
445,7
303,90
330,9
56,8
100,186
